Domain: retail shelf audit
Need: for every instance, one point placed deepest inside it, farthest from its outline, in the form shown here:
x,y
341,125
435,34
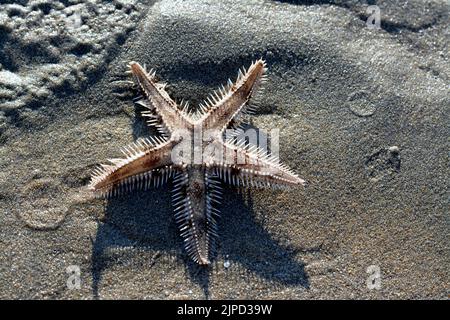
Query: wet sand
x,y
363,118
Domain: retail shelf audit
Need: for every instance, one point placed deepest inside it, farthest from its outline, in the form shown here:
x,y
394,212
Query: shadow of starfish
x,y
144,221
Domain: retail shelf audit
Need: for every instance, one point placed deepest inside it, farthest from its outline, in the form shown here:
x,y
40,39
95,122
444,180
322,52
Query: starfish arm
x,y
250,166
230,103
194,196
158,100
147,162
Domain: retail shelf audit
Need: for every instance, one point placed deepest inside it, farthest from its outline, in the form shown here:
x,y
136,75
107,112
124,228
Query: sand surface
x,y
363,118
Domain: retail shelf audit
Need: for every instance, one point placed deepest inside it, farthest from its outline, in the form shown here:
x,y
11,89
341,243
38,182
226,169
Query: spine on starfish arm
x,y
158,101
254,167
195,196
232,102
146,163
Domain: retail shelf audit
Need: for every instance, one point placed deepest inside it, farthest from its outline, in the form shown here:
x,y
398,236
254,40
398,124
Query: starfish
x,y
194,149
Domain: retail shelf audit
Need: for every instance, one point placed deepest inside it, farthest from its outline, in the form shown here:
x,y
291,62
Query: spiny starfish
x,y
193,150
